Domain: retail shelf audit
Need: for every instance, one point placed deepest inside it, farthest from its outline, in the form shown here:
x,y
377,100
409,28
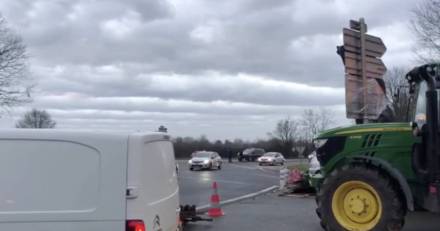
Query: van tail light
x,y
135,225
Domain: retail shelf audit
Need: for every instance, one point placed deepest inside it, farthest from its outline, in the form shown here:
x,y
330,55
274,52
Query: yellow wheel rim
x,y
356,206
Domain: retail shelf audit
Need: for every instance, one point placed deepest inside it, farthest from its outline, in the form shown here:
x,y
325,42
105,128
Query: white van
x,y
52,180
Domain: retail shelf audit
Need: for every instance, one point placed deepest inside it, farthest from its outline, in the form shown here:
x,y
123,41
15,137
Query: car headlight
x,y
190,161
319,143
206,161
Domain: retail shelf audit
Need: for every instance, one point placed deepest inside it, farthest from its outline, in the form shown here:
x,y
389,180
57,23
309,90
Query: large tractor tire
x,y
359,198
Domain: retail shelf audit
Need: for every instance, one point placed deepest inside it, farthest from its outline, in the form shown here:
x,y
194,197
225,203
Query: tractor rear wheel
x,y
359,198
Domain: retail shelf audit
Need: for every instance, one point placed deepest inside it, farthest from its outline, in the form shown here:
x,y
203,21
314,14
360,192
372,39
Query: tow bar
x,y
188,213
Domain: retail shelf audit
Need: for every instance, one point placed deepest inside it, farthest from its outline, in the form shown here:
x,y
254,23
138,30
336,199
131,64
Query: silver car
x,y
271,158
205,160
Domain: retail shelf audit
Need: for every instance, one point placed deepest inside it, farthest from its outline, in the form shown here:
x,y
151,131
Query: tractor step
x,y
432,198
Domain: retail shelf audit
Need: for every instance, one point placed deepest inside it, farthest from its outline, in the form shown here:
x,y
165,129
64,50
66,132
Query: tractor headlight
x,y
319,143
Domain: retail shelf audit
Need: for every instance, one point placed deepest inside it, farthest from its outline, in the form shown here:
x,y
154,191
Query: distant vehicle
x,y
205,160
271,158
251,154
87,181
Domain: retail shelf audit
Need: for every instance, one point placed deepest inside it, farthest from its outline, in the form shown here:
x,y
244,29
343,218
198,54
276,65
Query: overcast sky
x,y
226,69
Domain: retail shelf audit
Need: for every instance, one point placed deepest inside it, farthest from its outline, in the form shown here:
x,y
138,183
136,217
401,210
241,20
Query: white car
x,y
271,158
205,160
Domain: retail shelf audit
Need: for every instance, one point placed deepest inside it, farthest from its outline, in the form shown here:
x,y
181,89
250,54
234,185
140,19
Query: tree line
x,y
292,137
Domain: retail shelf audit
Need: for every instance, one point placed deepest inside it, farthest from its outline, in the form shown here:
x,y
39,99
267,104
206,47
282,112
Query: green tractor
x,y
368,176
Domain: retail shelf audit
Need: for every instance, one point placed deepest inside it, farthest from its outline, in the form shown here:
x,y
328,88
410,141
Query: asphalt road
x,y
271,212
233,180
266,212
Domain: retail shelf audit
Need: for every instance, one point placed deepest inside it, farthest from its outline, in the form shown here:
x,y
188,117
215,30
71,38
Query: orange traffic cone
x,y
215,210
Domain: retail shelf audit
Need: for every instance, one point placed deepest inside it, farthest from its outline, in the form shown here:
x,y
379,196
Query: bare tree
x,y
286,132
314,122
426,25
13,90
162,129
36,119
398,93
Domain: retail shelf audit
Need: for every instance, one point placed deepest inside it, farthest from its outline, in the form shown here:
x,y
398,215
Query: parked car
x,y
205,160
271,158
75,180
251,154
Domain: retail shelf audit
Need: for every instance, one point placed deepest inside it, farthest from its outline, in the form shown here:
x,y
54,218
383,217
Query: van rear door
x,y
55,180
152,189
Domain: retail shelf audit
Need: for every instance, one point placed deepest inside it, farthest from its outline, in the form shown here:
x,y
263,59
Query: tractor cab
x,y
424,82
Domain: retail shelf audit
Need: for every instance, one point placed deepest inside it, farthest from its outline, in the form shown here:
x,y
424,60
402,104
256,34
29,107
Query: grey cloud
x,y
109,57
149,104
253,37
114,81
73,28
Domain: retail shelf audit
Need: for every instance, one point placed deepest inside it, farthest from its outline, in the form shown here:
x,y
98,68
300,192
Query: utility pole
x,y
363,31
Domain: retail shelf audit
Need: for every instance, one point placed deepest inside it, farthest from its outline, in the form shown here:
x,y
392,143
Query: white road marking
x,y
220,181
259,168
265,170
246,167
269,176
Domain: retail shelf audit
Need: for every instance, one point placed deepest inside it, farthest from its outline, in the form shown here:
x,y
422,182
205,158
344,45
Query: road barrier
x,y
284,175
205,208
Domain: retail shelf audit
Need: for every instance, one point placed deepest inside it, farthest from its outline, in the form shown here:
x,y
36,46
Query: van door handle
x,y
131,192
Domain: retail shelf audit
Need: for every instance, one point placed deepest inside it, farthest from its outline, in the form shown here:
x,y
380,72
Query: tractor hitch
x,y
188,214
